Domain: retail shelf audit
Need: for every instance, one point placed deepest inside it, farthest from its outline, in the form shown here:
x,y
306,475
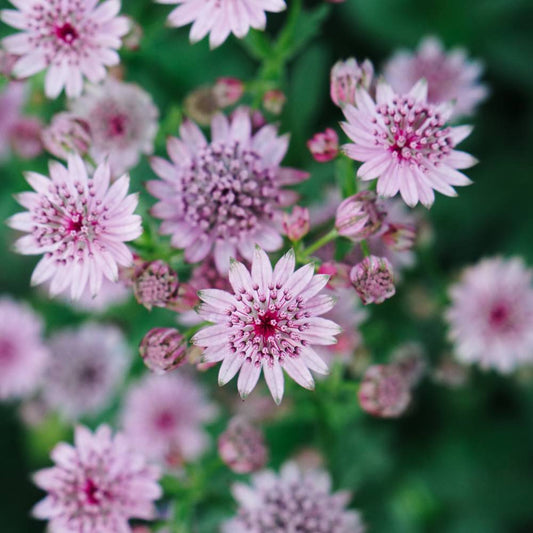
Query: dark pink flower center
x,y
266,324
7,350
91,492
117,125
75,224
499,316
165,420
66,32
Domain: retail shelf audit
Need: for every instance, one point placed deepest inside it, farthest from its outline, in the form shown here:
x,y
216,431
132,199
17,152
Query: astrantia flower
x,y
223,197
491,314
269,323
219,18
97,485
79,223
73,39
163,417
451,76
294,500
22,351
85,369
404,143
122,119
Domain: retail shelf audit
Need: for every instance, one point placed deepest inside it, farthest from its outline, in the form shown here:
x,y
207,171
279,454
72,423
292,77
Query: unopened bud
x,y
273,101
373,279
163,349
346,77
324,146
399,237
67,134
155,284
359,216
296,224
228,91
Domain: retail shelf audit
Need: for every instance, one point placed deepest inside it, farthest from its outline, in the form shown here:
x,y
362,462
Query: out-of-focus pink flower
x,y
346,77
132,40
25,137
219,19
79,223
122,119
274,100
410,360
373,279
491,314
96,485
450,373
399,237
222,198
23,354
163,349
12,99
73,40
293,500
451,77
7,62
67,134
228,91
339,274
270,323
359,216
296,223
155,284
405,143
324,146
242,447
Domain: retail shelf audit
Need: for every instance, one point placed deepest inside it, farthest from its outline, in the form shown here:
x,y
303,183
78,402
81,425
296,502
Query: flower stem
x,y
364,248
328,237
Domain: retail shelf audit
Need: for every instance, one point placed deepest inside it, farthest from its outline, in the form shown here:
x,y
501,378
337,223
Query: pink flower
x,y
25,137
270,323
219,18
348,76
163,417
23,355
122,119
373,279
404,143
12,98
155,284
163,349
491,315
295,500
324,146
67,134
97,485
79,223
451,76
228,91
296,224
72,39
359,216
223,197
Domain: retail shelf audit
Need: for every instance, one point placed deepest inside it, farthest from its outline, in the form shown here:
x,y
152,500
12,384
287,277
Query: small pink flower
x,y
346,77
79,223
67,134
359,216
296,223
405,144
155,284
324,146
373,279
97,485
399,237
163,349
273,101
72,39
222,17
25,137
228,91
269,324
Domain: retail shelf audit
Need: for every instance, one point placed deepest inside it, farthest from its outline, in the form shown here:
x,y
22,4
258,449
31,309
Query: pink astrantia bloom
x,y
73,39
451,76
97,485
405,144
270,323
122,120
373,279
491,315
163,417
295,500
23,355
79,223
223,197
346,77
296,224
219,18
324,146
163,349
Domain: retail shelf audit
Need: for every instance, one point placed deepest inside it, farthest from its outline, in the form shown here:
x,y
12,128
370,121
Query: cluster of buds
x,y
324,146
348,76
67,134
360,216
155,284
373,279
163,349
296,224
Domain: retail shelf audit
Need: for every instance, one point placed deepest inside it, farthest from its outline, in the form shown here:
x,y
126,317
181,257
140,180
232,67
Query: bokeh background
x,y
461,461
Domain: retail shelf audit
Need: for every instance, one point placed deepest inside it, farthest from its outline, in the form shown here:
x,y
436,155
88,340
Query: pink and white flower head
x,y
219,18
72,39
122,119
223,197
86,367
491,315
23,354
269,323
346,77
79,223
97,485
451,77
293,500
163,418
324,146
405,144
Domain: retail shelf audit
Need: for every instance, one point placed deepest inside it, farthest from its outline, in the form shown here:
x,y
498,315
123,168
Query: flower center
x,y
117,125
165,420
500,317
66,33
265,324
91,492
7,350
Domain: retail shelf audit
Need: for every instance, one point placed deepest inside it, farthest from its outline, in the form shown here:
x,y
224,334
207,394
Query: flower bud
x,y
373,279
155,284
324,146
273,101
67,134
359,216
25,137
339,274
201,105
399,237
228,91
242,447
296,224
384,391
132,40
163,349
346,77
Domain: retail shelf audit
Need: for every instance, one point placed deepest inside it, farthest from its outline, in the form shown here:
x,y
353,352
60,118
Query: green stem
x,y
364,248
328,237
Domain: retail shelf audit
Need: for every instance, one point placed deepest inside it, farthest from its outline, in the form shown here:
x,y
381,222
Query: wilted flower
x,y
296,223
242,447
346,77
79,223
359,216
405,144
491,314
273,101
66,134
163,349
294,500
324,146
97,485
373,279
71,39
23,354
228,91
270,323
155,284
